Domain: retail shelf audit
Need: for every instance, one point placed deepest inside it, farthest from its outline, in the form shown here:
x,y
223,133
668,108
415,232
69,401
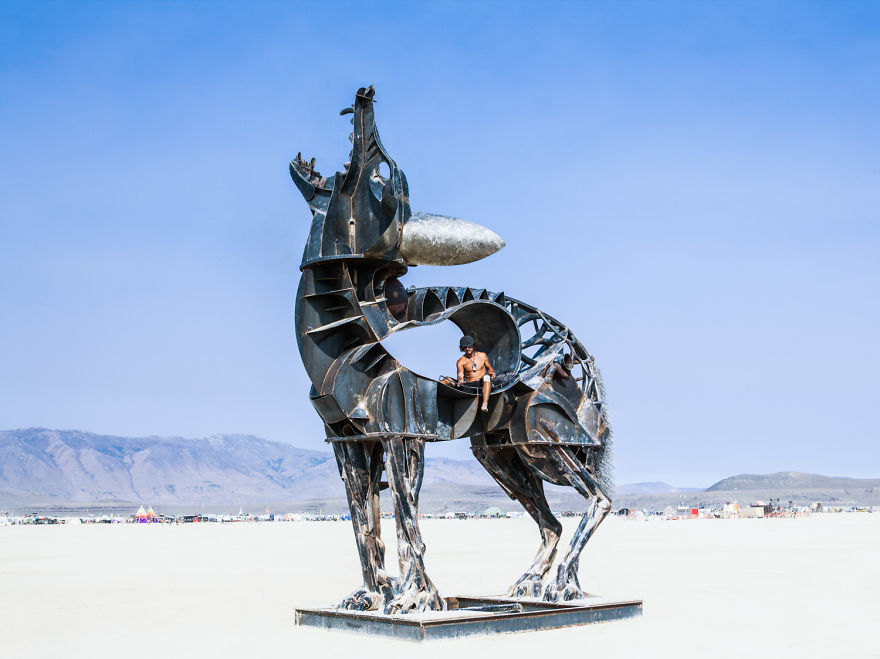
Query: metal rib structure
x,y
546,412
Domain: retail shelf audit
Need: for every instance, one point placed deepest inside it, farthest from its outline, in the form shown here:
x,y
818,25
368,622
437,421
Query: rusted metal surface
x,y
466,616
546,417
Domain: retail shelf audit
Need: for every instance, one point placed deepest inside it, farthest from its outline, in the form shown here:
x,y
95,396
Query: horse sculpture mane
x,y
546,413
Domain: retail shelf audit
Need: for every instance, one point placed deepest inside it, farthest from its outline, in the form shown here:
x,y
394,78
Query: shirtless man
x,y
474,366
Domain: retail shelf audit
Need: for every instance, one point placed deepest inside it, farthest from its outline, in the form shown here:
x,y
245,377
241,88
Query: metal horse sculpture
x,y
546,418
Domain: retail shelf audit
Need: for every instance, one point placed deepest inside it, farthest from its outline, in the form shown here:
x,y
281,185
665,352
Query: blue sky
x,y
692,187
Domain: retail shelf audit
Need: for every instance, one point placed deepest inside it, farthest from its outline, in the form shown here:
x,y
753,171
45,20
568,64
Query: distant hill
x,y
654,487
790,479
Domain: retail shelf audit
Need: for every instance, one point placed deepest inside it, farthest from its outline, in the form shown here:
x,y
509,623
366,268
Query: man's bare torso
x,y
473,368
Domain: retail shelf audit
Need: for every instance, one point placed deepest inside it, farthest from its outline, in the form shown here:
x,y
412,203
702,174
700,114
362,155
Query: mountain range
x,y
43,468
40,465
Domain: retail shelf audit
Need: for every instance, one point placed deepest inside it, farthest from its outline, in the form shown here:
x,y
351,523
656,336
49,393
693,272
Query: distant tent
x,y
145,516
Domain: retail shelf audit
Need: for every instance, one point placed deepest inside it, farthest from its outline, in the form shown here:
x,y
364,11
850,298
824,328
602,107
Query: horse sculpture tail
x,y
602,459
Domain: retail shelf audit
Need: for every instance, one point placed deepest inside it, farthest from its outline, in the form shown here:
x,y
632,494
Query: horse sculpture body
x,y
546,418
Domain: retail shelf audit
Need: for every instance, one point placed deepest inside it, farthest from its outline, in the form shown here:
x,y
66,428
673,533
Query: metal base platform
x,y
473,615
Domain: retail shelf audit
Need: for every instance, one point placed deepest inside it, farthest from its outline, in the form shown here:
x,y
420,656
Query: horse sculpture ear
x,y
301,175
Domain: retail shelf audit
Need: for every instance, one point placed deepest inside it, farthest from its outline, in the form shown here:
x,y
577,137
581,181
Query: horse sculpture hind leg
x,y
524,485
520,471
562,465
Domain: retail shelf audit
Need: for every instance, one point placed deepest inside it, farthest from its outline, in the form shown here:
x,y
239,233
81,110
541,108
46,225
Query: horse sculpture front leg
x,y
404,467
360,466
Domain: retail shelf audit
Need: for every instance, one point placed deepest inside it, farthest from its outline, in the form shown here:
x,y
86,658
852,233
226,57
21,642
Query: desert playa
x,y
800,587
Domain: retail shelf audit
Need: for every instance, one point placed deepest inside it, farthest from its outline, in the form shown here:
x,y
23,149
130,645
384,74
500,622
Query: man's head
x,y
467,345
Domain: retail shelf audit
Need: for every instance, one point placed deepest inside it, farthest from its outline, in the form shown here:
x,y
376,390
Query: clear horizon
x,y
704,178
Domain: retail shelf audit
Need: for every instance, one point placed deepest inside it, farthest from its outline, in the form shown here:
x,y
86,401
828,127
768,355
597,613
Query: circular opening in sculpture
x,y
429,350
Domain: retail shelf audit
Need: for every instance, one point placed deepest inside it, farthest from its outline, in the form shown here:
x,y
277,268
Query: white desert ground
x,y
804,587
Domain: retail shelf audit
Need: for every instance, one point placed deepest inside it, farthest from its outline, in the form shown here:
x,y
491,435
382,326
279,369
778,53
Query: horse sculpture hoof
x,y
554,593
415,601
527,586
362,600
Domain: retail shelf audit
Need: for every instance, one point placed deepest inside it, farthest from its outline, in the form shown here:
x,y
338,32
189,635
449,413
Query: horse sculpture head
x,y
364,212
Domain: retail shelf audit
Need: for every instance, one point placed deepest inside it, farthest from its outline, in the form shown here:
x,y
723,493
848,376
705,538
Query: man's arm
x,y
459,365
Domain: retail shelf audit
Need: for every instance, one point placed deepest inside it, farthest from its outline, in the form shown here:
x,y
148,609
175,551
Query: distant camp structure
x,y
492,511
146,516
